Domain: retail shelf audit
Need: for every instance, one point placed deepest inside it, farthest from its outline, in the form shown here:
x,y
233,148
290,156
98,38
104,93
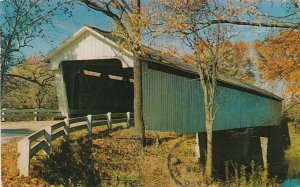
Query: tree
x,y
236,61
210,48
30,85
250,13
191,21
128,24
21,23
278,59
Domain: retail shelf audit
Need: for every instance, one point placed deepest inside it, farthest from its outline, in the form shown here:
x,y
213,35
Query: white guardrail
x,y
41,140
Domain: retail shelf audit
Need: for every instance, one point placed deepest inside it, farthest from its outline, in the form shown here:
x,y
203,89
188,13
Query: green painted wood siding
x,y
175,103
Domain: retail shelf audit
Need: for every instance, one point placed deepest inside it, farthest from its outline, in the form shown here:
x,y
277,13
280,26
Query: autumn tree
x,y
30,84
278,60
129,22
236,61
198,24
209,46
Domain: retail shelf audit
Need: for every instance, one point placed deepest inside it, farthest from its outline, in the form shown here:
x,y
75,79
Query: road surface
x,y
10,130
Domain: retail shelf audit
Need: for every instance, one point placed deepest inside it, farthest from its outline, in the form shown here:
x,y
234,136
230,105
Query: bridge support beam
x,y
264,150
200,147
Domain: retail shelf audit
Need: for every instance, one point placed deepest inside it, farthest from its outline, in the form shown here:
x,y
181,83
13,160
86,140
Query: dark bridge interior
x,y
98,86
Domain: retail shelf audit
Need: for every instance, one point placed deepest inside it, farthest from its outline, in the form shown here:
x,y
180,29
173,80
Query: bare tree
x,y
250,13
21,23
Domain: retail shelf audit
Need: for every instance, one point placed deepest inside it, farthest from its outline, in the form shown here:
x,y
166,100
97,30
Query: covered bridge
x,y
94,75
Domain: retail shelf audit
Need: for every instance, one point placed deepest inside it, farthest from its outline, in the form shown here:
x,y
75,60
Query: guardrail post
x,y
89,125
24,157
36,115
128,119
66,129
109,122
48,133
3,114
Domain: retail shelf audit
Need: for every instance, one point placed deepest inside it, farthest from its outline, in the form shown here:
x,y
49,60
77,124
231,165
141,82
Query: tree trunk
x,y
138,103
208,98
209,159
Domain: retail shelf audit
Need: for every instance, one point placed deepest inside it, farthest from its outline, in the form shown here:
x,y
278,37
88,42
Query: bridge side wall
x,y
173,101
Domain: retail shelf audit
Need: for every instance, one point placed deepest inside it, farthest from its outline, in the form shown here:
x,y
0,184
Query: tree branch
x,y
255,24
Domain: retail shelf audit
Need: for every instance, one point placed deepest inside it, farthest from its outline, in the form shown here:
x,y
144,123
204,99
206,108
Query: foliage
x,y
239,64
252,175
235,62
294,150
30,85
278,58
210,49
22,22
203,27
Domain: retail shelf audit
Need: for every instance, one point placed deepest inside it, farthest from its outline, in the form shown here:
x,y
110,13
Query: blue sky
x,y
63,26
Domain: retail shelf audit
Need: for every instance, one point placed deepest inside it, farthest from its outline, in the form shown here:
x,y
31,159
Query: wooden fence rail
x,y
42,140
25,114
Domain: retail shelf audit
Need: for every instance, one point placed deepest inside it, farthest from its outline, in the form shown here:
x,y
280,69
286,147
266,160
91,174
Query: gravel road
x,y
10,130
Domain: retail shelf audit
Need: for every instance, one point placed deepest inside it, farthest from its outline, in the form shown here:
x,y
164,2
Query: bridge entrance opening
x,y
98,86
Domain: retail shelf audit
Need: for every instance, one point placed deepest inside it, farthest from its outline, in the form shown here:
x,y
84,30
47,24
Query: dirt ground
x,y
114,157
110,158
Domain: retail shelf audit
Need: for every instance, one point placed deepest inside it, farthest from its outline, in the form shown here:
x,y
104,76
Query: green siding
x,y
174,103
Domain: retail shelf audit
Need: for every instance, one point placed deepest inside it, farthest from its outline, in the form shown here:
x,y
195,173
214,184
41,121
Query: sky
x,y
63,27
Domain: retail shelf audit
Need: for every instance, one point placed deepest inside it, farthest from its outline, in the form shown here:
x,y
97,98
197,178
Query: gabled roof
x,y
158,57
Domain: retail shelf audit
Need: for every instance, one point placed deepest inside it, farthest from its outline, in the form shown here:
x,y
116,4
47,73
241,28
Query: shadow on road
x,y
7,134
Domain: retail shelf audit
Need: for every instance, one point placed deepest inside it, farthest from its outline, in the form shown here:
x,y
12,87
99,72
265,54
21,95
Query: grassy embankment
x,y
114,158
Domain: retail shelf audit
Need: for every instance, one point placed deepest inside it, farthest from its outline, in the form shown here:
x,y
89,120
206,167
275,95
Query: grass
x,y
294,149
114,158
9,172
110,158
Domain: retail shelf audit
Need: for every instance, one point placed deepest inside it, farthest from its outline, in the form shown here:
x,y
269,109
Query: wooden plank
x,y
118,115
57,134
89,125
76,120
34,136
119,120
77,128
47,115
24,157
48,138
66,129
99,123
57,125
72,111
109,122
11,116
37,147
99,117
128,119
29,110
28,114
